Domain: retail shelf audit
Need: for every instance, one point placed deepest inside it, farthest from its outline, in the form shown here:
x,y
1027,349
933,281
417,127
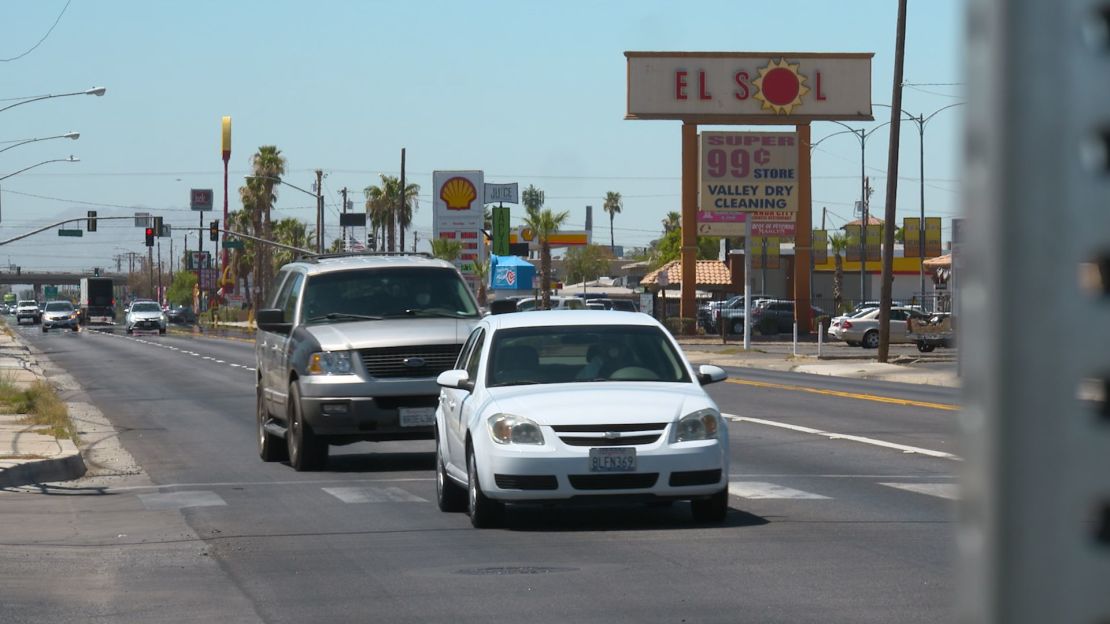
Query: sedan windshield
x,y
146,307
570,354
374,294
59,306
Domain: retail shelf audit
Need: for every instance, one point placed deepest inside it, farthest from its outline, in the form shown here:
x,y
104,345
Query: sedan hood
x,y
400,332
54,315
146,315
608,402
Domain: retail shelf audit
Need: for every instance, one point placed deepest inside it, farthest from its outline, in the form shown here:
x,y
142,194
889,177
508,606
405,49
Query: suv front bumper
x,y
369,418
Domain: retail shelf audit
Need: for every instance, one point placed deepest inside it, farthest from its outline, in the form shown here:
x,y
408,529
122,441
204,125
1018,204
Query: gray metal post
x,y
747,283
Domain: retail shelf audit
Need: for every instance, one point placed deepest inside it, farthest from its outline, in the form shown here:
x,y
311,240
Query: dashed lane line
x,y
178,350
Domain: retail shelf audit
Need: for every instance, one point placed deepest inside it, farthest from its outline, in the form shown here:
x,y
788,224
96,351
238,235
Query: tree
x,y
481,273
532,198
242,260
267,167
613,205
669,248
383,205
180,291
672,222
290,231
839,244
446,249
585,263
544,224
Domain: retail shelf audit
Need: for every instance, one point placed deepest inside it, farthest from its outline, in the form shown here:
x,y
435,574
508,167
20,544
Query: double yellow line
x,y
848,395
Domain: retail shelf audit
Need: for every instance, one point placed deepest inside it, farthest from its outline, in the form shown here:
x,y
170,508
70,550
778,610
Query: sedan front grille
x,y
629,434
426,361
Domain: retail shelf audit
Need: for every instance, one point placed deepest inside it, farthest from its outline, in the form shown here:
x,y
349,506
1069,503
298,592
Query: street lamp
x,y
319,206
70,159
97,91
921,120
68,135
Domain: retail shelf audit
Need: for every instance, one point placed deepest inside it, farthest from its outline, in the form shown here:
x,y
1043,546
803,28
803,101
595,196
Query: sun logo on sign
x,y
780,86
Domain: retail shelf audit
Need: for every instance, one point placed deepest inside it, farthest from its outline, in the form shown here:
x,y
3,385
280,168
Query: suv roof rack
x,y
357,254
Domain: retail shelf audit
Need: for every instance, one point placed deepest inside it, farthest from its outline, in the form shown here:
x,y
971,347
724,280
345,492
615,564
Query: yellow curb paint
x,y
848,395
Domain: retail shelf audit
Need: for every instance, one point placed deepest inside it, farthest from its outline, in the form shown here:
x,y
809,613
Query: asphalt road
x,y
842,511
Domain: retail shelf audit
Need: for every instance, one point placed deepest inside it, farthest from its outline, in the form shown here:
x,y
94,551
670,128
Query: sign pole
x,y
747,283
803,236
688,304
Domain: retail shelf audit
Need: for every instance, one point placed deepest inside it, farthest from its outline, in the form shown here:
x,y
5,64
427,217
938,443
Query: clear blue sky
x,y
529,92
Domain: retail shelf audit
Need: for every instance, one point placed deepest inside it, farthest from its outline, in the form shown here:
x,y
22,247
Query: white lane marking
x,y
950,491
763,490
220,362
182,351
742,476
180,500
243,484
354,495
844,436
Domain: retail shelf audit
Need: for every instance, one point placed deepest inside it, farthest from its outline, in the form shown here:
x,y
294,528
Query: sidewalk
x,y
26,456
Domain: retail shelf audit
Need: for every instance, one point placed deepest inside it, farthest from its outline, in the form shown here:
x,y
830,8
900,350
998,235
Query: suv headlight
x,y
506,428
701,425
330,363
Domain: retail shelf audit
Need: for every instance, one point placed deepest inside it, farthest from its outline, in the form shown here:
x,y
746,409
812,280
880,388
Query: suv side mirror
x,y
458,379
272,320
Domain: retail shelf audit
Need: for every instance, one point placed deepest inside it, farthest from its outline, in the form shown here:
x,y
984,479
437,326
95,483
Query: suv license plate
x,y
613,459
417,416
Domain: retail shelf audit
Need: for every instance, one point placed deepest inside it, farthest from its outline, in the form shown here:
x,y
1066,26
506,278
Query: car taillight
x,y
846,325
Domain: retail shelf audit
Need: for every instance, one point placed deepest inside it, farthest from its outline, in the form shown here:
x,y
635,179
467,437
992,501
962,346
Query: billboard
x,y
932,237
852,242
746,172
820,245
911,237
874,242
457,214
747,87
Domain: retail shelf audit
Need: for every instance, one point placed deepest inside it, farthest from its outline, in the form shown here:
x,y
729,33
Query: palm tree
x,y
251,219
544,224
446,249
481,273
532,198
268,165
839,244
242,260
290,231
383,203
672,222
612,205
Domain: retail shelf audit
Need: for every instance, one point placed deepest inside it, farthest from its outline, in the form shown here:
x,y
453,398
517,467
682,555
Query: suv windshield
x,y
146,307
361,294
59,306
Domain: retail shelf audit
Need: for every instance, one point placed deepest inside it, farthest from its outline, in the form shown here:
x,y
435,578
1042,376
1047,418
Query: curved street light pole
x,y
70,159
68,135
97,91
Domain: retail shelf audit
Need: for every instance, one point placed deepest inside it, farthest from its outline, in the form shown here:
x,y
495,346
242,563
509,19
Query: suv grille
x,y
391,361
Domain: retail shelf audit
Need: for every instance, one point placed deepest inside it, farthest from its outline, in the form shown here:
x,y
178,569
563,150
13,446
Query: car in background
x,y
776,316
557,303
555,406
729,313
59,314
837,320
145,316
181,315
29,310
864,329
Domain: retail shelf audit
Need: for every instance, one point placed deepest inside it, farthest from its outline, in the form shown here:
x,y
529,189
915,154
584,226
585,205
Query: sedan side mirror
x,y
707,374
272,320
457,379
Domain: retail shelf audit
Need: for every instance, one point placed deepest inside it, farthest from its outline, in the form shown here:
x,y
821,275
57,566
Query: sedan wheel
x,y
449,496
306,451
871,340
925,347
484,512
270,447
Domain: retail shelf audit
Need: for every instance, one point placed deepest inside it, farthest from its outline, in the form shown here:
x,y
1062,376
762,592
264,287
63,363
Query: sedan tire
x,y
449,496
485,513
871,340
712,509
306,451
44,329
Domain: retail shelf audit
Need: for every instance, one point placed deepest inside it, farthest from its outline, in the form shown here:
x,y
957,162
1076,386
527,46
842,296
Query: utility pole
x,y
319,211
401,206
344,209
150,267
171,260
159,297
892,187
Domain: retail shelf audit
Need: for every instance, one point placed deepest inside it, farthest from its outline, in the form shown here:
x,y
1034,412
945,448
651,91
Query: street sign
x,y
780,229
71,232
233,244
207,278
200,199
352,219
199,260
500,230
142,219
506,193
50,292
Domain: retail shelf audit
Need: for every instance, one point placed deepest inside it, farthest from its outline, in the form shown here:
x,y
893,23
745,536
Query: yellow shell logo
x,y
458,193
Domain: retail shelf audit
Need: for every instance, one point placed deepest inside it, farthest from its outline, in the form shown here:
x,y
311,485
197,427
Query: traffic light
x,y
91,226
158,226
96,272
150,237
214,231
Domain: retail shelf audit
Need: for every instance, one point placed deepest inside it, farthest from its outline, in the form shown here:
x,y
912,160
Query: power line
x,y
16,58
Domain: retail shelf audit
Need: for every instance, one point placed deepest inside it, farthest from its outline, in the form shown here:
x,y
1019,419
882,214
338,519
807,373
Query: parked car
x,y
29,310
864,329
730,313
837,320
348,349
557,303
181,315
59,314
776,316
145,316
554,406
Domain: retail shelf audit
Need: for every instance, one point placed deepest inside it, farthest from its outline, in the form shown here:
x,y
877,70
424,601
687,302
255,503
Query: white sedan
x,y
549,406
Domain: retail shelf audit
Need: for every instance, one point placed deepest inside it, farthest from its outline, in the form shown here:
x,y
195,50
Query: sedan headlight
x,y
330,363
506,428
701,425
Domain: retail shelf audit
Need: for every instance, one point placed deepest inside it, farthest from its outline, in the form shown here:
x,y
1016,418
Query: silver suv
x,y
348,348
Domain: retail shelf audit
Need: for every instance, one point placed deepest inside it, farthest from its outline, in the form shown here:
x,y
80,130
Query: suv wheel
x,y
270,447
712,509
449,496
484,512
306,451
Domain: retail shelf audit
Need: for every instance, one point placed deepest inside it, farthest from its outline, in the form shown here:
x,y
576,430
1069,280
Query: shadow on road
x,y
380,462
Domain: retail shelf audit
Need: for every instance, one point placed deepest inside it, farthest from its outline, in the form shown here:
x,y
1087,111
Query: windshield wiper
x,y
518,382
343,316
434,313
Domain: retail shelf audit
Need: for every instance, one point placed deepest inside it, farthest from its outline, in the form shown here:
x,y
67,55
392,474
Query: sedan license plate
x,y
417,416
613,459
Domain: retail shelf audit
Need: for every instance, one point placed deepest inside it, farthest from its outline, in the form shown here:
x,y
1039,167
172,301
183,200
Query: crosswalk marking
x,y
941,490
355,495
181,500
763,490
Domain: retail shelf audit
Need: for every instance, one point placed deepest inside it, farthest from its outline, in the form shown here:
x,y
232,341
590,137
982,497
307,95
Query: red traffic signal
x,y
150,237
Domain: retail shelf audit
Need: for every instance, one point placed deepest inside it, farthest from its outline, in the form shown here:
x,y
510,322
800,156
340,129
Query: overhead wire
x,y
32,48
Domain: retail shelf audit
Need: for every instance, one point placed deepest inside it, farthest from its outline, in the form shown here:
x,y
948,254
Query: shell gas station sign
x,y
457,215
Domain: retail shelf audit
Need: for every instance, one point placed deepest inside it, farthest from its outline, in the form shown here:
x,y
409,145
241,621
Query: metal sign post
x,y
747,284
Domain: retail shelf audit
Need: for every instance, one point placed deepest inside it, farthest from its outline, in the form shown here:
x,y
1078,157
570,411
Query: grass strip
x,y
42,407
